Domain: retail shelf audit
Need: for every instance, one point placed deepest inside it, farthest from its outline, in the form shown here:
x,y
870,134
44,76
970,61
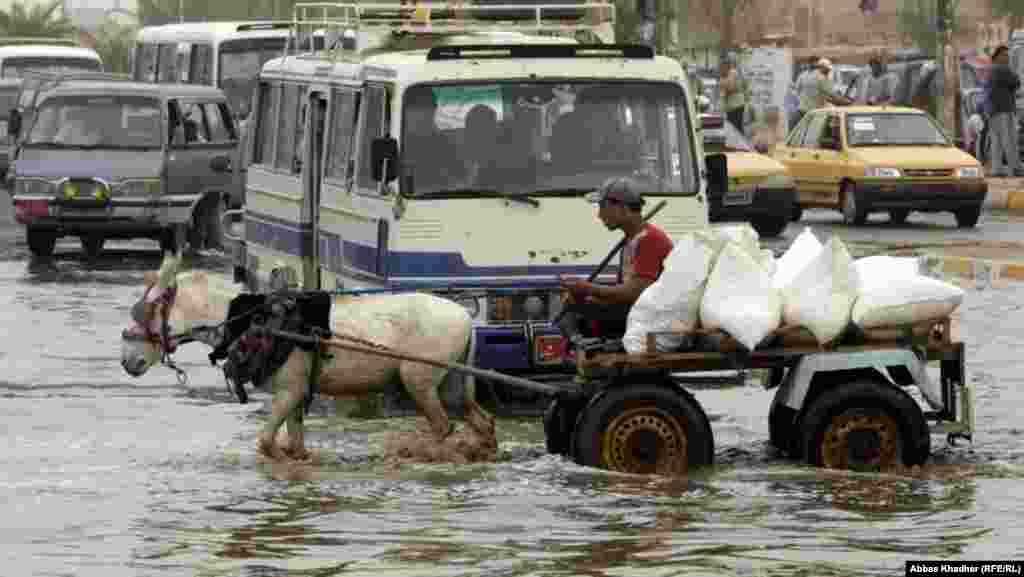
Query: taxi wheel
x,y
798,213
770,226
898,216
854,211
968,217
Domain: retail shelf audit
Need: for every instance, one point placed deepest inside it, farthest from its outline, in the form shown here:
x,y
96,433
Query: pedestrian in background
x,y
881,88
806,87
734,93
1003,122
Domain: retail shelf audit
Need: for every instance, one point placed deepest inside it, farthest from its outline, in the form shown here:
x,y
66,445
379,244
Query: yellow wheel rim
x,y
645,440
861,441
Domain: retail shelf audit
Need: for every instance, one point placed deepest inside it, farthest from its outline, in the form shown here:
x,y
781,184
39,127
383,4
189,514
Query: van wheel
x,y
92,245
206,231
865,426
644,429
968,217
854,211
40,243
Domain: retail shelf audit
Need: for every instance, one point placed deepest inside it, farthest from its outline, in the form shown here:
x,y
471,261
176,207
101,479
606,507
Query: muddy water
x,y
107,475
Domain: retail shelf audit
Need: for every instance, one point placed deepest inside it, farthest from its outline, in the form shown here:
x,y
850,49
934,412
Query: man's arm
x,y
620,294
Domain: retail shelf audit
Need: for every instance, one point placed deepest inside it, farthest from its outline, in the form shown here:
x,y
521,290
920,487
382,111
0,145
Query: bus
x,y
357,185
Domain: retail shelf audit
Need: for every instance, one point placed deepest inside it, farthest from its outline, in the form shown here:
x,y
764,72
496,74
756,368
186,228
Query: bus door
x,y
312,179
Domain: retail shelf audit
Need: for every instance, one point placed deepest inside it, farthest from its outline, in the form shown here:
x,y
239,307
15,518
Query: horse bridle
x,y
143,314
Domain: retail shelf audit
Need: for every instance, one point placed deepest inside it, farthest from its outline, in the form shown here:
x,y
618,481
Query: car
x,y
865,159
109,158
759,190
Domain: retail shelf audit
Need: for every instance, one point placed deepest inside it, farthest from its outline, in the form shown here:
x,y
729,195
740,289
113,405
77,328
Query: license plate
x,y
737,197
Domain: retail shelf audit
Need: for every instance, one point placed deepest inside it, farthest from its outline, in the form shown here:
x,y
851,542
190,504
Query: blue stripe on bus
x,y
290,237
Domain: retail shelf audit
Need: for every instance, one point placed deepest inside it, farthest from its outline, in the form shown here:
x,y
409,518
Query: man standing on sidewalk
x,y
1003,123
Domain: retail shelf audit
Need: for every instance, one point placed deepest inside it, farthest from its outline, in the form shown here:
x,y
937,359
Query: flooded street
x,y
105,475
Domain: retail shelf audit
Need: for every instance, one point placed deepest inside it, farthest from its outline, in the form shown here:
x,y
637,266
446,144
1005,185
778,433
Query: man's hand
x,y
579,288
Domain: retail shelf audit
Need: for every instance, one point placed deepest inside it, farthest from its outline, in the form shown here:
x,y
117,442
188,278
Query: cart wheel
x,y
559,420
865,426
644,429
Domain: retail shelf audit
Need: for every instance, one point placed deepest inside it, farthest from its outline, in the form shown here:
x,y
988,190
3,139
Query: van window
x,y
345,104
266,126
286,127
193,124
374,125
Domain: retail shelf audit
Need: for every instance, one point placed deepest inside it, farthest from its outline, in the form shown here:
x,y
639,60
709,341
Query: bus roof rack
x,y
264,25
39,40
337,20
476,51
56,76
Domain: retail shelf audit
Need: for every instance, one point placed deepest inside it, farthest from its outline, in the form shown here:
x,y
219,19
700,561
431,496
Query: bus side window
x,y
167,63
266,125
145,63
285,155
201,65
300,132
374,124
343,129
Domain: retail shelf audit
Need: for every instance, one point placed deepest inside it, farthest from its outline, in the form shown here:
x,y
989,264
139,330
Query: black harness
x,y
253,353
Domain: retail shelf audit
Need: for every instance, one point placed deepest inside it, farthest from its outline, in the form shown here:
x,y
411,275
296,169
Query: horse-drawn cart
x,y
846,406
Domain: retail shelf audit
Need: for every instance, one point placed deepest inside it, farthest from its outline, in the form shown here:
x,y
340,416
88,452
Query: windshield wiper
x,y
471,192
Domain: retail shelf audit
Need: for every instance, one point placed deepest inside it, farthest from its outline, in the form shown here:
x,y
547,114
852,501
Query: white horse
x,y
176,307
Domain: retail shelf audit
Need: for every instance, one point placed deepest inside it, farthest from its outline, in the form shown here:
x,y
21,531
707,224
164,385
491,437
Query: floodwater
x,y
105,475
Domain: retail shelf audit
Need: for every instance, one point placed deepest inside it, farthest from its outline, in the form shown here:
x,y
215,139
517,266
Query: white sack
x,y
805,247
739,298
876,271
822,294
672,303
904,300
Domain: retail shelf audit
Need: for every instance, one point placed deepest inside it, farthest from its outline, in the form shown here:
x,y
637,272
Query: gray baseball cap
x,y
621,189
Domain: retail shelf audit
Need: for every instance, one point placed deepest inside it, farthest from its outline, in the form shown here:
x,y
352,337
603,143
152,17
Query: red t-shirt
x,y
644,254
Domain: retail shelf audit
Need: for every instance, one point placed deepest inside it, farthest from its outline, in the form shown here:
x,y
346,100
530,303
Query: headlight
x,y
882,172
141,187
968,172
32,187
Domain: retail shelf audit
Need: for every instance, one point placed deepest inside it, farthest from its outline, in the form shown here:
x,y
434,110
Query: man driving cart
x,y
597,310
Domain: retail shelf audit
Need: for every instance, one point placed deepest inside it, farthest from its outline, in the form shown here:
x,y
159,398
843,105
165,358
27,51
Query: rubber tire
x,y
898,216
679,404
559,420
92,245
782,431
798,213
914,432
40,243
770,227
968,217
860,213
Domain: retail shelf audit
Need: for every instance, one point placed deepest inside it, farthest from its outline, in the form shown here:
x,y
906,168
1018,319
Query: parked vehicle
x,y
9,88
864,159
21,55
108,159
322,209
759,189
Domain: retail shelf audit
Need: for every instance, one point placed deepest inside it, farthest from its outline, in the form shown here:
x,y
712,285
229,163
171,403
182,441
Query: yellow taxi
x,y
864,159
759,190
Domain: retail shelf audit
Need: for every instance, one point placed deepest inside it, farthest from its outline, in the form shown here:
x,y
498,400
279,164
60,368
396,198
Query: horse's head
x,y
149,336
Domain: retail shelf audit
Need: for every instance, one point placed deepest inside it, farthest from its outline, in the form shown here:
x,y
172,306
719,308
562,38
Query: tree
x,y
1012,8
114,43
39,20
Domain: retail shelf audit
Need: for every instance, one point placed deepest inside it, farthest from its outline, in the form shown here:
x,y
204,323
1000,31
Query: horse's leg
x,y
289,388
296,447
421,381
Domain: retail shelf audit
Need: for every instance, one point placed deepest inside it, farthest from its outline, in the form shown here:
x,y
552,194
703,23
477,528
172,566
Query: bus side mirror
x,y
717,172
14,123
384,152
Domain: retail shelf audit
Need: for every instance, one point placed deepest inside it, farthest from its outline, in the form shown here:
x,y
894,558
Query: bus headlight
x,y
69,190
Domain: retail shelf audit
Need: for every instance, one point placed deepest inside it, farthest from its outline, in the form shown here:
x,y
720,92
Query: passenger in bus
x,y
597,310
428,154
480,144
593,136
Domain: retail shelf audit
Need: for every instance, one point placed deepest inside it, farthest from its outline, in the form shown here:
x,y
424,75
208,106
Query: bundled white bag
x,y
672,303
740,299
893,293
821,296
805,247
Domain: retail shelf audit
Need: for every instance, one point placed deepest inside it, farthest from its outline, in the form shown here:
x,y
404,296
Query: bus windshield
x,y
17,66
240,65
544,139
129,122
